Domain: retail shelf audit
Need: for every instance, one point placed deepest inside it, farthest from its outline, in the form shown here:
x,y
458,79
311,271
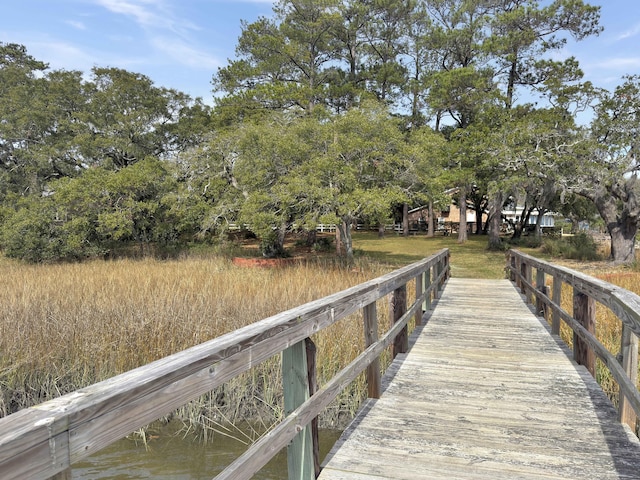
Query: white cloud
x,y
149,14
619,63
75,24
632,32
185,54
137,10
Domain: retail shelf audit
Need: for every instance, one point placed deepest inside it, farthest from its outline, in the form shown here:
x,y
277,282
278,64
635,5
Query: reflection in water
x,y
173,457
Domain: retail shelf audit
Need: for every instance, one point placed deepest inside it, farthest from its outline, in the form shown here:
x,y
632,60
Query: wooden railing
x,y
45,440
582,321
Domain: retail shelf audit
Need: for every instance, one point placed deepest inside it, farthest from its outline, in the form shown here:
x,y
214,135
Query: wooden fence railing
x,y
44,441
586,291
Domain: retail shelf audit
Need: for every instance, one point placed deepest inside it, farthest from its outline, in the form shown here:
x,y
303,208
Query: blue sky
x,y
181,43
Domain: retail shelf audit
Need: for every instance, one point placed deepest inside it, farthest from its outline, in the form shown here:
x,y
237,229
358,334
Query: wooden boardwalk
x,y
485,393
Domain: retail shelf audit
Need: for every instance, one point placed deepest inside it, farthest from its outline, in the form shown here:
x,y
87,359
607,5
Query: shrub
x,y
581,246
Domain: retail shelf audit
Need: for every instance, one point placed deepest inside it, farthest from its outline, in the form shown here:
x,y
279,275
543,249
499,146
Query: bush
x,y
529,241
585,247
581,246
323,244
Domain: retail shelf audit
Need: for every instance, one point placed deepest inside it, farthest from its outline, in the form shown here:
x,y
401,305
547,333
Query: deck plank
x,y
485,393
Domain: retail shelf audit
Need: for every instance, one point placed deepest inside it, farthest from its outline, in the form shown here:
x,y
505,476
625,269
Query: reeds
x,y
66,326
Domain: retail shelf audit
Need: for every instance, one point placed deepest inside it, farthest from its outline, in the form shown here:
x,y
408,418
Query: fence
x,y
582,321
45,440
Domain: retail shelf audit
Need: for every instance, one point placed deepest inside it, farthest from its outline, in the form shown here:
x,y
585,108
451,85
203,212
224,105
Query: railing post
x,y
525,271
419,290
557,299
370,337
312,378
300,462
426,306
518,272
447,270
629,352
512,270
584,311
541,307
398,308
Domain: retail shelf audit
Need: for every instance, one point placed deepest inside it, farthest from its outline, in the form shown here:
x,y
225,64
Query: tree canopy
x,y
333,111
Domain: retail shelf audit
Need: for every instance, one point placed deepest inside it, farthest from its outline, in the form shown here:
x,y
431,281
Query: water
x,y
170,456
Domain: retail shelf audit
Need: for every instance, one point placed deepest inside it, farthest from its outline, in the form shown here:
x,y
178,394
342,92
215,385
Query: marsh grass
x,y
66,326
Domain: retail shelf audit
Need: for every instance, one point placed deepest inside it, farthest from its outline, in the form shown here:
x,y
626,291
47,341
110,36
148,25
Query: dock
x,y
485,392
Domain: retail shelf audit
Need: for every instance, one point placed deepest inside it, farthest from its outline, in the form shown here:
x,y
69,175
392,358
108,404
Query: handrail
x,y
623,303
45,440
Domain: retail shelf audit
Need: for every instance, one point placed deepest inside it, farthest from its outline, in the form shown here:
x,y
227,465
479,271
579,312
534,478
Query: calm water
x,y
170,456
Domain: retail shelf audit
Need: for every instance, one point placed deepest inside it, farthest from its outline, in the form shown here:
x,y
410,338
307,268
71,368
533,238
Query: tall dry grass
x,y
66,326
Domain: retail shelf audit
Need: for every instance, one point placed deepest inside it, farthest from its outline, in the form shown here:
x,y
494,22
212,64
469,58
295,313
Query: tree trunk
x,y
345,238
405,219
539,223
623,242
479,222
380,230
462,204
312,237
431,220
622,226
495,220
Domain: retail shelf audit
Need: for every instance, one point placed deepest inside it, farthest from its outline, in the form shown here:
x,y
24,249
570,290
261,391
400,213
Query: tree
x,y
357,176
39,111
523,33
283,62
487,51
95,213
253,172
426,156
607,166
130,119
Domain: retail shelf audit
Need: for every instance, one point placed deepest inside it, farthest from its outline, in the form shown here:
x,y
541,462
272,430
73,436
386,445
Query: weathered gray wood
x,y
419,290
64,475
398,306
427,284
557,299
627,387
43,441
245,466
584,311
625,304
629,353
312,376
541,286
296,391
486,393
512,262
370,337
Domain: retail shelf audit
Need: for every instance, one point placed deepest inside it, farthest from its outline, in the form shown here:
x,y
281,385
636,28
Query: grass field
x,y
65,326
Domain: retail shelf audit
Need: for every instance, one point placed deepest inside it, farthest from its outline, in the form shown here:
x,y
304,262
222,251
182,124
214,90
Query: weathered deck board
x,y
486,393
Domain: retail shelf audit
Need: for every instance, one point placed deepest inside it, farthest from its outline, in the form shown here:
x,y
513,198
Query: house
x,y
448,218
514,213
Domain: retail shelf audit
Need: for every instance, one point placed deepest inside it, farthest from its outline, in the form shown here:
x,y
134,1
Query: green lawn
x,y
468,260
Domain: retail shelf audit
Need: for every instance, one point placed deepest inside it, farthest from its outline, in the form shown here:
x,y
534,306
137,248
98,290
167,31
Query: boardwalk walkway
x,y
486,393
